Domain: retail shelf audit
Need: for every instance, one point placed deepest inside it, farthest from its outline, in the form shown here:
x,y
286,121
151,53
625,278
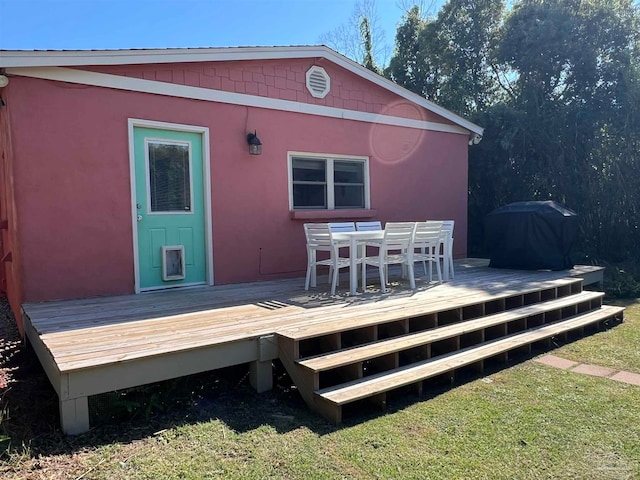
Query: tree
x,y
556,84
358,41
409,66
569,129
448,59
365,32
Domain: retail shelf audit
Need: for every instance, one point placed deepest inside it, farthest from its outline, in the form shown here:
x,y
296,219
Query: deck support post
x,y
74,415
261,370
261,376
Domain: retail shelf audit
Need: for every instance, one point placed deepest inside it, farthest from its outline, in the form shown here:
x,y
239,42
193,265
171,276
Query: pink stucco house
x,y
124,171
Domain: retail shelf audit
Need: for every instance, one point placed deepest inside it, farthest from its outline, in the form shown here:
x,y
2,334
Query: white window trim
x,y
330,158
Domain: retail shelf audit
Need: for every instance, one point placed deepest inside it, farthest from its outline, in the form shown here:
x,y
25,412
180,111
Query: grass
x,y
528,421
616,348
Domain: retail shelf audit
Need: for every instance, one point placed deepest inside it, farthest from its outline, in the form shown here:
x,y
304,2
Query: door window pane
x,y
169,177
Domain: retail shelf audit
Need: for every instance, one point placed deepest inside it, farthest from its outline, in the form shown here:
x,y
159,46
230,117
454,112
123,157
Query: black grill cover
x,y
531,236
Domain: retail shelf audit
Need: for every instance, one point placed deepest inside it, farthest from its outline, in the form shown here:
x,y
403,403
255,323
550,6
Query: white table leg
x,y
445,259
313,269
353,263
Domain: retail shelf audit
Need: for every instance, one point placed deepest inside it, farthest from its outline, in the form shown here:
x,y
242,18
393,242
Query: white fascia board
x,y
182,55
68,58
198,93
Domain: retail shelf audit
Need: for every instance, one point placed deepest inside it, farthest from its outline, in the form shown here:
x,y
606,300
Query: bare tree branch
x,y
347,39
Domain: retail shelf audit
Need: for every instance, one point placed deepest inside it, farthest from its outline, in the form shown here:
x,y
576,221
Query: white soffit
x,y
19,59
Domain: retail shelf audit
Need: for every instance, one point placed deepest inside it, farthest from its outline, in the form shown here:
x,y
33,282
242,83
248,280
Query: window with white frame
x,y
319,182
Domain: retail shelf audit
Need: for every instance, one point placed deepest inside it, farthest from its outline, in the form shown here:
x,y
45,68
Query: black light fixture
x,y
255,145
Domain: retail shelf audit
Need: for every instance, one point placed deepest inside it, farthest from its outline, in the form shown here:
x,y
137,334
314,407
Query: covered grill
x,y
531,236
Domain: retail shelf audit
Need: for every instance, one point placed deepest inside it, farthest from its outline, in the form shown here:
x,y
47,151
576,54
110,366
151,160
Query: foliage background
x,y
556,85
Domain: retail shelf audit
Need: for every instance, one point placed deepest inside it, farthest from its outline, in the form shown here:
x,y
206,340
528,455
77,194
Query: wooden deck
x,y
98,345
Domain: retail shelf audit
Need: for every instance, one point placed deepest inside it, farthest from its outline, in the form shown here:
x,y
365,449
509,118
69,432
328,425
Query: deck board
x,y
89,333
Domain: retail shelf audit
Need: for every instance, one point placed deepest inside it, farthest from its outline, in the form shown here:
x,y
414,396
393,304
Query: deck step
x,y
359,316
396,344
383,382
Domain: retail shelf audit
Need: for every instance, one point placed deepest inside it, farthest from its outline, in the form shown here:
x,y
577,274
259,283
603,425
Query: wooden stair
x,y
339,361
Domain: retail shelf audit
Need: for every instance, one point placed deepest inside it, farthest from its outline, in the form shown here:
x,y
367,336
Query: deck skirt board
x,y
91,346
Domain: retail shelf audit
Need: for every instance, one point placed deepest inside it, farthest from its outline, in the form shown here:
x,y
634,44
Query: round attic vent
x,y
318,82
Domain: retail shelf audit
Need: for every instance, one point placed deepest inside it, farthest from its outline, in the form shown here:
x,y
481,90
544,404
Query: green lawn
x,y
528,421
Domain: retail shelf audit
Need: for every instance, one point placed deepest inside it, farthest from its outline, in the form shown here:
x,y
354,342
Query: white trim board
x,y
21,58
53,58
118,82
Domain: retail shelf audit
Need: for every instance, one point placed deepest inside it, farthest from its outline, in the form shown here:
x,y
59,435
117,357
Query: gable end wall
x,y
284,80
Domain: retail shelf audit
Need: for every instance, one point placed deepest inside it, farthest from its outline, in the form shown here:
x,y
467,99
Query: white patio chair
x,y
368,226
314,245
446,253
396,247
342,227
427,241
319,239
338,227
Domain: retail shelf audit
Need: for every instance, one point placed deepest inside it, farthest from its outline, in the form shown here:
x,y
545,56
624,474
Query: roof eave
x,y
70,58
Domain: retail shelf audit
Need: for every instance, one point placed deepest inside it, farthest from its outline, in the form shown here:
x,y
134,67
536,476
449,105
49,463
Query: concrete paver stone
x,y
594,370
627,377
557,362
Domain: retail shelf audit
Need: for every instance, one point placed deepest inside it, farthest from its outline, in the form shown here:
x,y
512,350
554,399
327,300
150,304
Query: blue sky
x,y
102,24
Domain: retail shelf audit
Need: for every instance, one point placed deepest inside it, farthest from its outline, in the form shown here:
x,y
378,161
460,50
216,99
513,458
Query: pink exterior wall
x,y
73,193
10,267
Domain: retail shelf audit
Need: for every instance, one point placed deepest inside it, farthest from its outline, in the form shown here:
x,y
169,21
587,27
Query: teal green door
x,y
170,213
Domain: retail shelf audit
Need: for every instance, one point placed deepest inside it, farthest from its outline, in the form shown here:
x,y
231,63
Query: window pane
x,y
309,196
348,196
348,172
306,170
169,179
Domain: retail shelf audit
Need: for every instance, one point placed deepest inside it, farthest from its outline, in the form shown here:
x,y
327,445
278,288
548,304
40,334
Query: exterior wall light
x,y
4,81
255,145
476,139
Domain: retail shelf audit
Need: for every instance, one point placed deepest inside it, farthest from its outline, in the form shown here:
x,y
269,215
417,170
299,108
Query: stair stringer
x,y
306,383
